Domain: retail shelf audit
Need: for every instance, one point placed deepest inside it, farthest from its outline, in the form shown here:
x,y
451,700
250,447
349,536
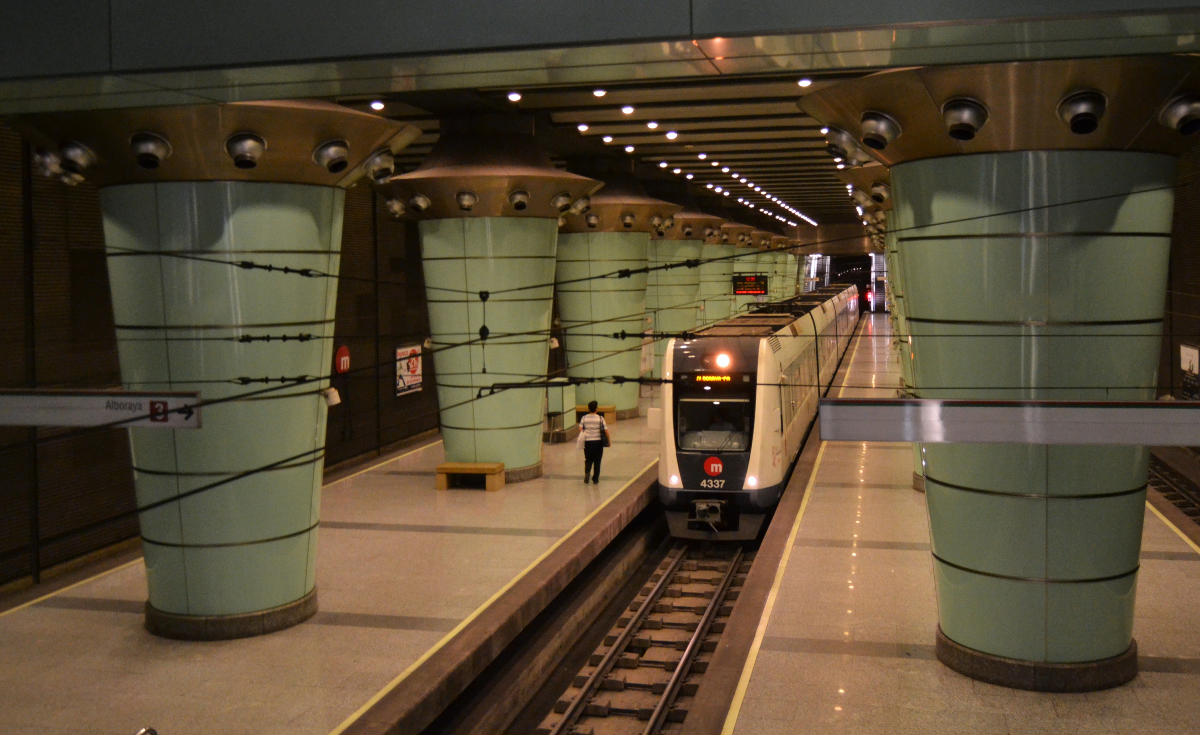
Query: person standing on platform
x,y
593,433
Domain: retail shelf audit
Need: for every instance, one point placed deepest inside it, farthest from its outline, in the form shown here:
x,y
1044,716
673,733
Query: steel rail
x,y
576,708
658,717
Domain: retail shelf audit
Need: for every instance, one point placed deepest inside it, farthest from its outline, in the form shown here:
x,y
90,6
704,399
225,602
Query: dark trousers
x,y
592,452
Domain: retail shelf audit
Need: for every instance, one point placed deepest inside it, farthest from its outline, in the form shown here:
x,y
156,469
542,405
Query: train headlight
x,y
751,481
723,360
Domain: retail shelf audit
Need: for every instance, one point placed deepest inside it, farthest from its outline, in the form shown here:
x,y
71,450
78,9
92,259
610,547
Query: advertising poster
x,y
408,369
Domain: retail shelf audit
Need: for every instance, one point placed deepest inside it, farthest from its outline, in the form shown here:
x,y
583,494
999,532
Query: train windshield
x,y
710,426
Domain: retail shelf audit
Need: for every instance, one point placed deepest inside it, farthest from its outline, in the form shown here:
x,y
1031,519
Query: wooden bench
x,y
455,474
608,412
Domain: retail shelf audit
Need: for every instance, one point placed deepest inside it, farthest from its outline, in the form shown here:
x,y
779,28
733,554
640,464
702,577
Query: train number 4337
x,y
712,483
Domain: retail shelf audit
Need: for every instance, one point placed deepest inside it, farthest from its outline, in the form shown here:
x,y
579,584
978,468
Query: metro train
x,y
738,400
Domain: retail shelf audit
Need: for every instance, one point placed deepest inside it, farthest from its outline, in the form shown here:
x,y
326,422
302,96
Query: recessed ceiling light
x,y
824,131
629,149
514,96
582,127
627,109
805,82
607,139
662,164
672,135
599,92
708,186
702,156
724,169
377,105
689,177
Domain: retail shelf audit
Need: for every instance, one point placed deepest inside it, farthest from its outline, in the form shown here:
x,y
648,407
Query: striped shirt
x,y
591,426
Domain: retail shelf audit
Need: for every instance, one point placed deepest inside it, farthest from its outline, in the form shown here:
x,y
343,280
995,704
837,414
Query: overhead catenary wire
x,y
629,272
620,273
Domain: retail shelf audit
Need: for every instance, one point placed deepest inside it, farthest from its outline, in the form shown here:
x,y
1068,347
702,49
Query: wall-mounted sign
x,y
99,408
408,369
749,284
1189,359
1189,363
341,360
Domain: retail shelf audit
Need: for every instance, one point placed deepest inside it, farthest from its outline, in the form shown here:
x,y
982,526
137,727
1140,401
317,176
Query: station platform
x,y
846,643
411,582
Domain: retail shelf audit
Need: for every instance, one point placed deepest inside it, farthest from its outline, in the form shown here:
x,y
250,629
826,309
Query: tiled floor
x,y
849,643
399,565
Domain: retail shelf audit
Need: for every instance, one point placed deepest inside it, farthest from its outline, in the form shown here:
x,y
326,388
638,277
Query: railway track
x,y
1176,488
640,678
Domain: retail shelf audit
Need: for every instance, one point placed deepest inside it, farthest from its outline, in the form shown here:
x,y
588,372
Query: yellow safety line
x,y
739,694
479,610
743,683
48,595
382,462
1174,528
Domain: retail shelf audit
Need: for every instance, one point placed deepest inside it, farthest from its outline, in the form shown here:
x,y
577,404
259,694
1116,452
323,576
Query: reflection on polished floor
x,y
400,565
848,646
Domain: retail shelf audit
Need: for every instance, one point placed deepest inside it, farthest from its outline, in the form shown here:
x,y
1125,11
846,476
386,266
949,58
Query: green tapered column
x,y
716,279
790,271
746,262
779,271
1035,547
763,263
247,545
591,306
899,320
766,264
461,257
672,295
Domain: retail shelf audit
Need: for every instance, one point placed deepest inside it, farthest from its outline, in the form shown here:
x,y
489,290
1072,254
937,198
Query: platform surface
x,y
399,566
848,646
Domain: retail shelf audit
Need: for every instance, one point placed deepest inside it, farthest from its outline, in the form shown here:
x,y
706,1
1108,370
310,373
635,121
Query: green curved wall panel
x,y
462,257
1045,282
790,271
249,544
672,295
716,282
597,306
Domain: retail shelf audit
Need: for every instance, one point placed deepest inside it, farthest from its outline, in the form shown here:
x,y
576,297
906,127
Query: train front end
x,y
705,479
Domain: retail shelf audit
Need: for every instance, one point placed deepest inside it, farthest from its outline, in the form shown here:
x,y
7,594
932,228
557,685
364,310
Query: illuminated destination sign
x,y
749,284
713,379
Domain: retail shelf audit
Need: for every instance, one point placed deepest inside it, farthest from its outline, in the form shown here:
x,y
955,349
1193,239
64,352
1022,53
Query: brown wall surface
x,y
1182,324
